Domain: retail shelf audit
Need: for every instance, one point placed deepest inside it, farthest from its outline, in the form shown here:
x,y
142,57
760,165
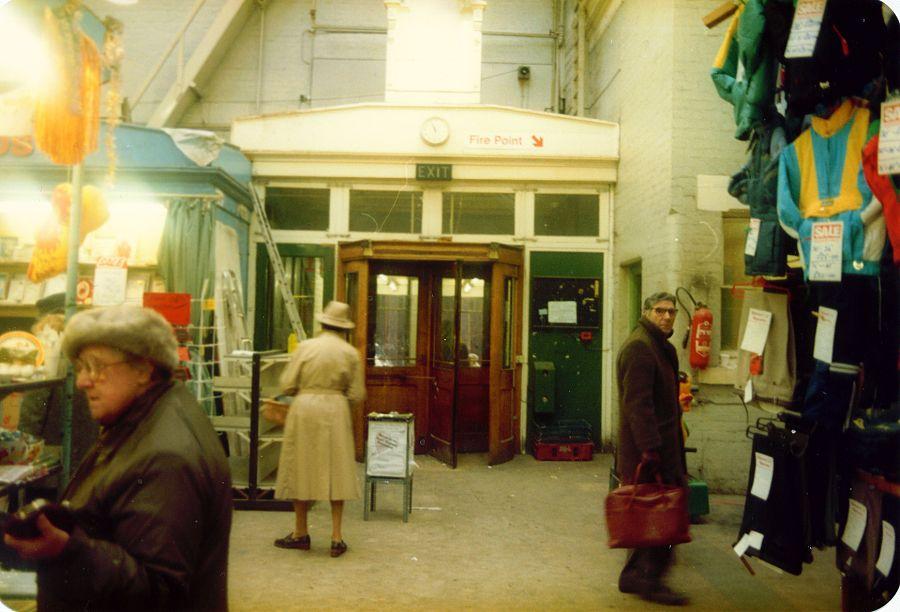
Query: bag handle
x,y
637,474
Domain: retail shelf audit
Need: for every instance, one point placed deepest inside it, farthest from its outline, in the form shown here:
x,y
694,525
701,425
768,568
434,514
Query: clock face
x,y
435,131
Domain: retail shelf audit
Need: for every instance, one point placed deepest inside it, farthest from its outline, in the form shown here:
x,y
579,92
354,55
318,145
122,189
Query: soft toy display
x,y
52,237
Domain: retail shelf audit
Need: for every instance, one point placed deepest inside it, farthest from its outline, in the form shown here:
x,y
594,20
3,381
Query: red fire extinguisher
x,y
700,338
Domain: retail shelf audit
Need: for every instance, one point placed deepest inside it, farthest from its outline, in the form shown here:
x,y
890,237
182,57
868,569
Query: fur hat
x,y
133,329
336,314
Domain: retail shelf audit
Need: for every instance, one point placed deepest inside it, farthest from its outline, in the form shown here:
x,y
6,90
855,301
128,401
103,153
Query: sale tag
x,y
110,278
825,254
889,137
805,28
752,238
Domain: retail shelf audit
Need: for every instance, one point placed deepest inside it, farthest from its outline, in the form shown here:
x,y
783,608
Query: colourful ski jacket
x,y
820,178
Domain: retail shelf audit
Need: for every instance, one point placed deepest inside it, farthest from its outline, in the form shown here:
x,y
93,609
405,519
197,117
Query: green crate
x,y
698,497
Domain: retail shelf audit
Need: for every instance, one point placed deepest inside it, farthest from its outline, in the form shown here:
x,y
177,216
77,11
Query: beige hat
x,y
336,314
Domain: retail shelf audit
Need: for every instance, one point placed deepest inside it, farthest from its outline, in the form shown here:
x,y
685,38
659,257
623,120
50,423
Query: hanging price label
x,y
825,255
889,137
805,28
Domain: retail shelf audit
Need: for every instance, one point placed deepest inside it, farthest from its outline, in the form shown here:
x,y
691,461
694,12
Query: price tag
x,y
888,543
856,525
752,238
889,137
110,278
756,331
825,255
805,28
762,476
824,343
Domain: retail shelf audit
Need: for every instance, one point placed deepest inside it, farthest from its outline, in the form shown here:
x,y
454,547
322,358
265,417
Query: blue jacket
x,y
820,178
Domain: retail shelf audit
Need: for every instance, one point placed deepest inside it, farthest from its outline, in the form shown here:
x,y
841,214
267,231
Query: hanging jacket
x,y
756,185
883,189
820,178
744,69
845,61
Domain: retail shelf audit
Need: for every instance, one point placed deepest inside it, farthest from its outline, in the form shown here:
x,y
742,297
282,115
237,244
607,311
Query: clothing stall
x,y
815,87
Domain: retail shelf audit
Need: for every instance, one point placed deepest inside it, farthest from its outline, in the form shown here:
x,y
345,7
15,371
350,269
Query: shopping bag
x,y
647,514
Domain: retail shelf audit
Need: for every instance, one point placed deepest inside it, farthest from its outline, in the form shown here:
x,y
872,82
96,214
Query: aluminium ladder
x,y
290,306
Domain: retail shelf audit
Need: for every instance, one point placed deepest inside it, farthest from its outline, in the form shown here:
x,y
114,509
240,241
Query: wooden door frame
x,y
356,256
496,450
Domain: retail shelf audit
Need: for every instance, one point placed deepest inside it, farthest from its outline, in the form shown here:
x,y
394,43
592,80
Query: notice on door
x,y
562,312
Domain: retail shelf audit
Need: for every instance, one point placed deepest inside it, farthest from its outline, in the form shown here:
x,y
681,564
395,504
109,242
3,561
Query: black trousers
x,y
646,567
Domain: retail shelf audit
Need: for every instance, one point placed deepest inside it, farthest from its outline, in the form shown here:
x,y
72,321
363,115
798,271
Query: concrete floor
x,y
526,535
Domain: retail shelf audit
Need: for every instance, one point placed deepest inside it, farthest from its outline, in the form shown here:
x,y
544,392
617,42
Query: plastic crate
x,y
564,451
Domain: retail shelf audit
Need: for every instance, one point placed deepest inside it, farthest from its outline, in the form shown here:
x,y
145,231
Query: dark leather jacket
x,y
153,503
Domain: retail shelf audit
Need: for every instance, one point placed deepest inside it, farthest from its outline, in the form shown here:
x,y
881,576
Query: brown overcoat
x,y
649,412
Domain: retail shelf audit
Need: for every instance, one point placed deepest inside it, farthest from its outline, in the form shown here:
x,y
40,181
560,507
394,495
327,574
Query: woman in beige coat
x,y
317,457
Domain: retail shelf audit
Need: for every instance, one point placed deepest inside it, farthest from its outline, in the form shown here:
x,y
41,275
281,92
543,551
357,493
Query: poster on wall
x,y
110,281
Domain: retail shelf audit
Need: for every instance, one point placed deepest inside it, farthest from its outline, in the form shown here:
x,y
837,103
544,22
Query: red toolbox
x,y
563,451
564,440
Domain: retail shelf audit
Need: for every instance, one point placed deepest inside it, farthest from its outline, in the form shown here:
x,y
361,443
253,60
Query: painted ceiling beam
x,y
212,48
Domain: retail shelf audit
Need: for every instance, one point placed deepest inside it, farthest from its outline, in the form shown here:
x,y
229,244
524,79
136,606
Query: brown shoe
x,y
338,548
662,594
289,541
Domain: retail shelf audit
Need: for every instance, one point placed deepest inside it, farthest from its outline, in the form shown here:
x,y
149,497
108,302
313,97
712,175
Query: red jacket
x,y
883,189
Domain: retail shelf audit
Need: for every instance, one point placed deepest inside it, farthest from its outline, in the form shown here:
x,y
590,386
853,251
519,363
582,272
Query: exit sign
x,y
434,172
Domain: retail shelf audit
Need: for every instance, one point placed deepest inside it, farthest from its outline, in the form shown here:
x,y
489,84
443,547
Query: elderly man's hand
x,y
651,461
48,545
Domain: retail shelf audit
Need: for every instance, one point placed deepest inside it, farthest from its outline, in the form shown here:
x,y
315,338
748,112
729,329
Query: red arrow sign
x,y
537,140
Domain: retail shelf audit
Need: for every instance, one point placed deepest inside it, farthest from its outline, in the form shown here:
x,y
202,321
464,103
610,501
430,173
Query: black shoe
x,y
289,541
338,548
662,594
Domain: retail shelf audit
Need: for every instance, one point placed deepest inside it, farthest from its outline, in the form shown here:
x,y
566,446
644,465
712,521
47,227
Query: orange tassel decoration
x,y
67,113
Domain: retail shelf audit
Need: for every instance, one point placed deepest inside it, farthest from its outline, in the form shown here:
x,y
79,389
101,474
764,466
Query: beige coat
x,y
317,456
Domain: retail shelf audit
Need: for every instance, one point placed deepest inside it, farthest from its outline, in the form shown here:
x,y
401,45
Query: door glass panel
x,y
395,319
297,209
386,211
478,213
509,290
305,278
351,292
444,350
473,328
566,214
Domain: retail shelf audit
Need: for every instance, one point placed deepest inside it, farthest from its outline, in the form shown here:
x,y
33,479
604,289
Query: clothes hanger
x,y
758,282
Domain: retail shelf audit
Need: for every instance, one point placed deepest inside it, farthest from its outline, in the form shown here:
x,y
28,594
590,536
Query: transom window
x,y
386,211
297,209
478,213
560,214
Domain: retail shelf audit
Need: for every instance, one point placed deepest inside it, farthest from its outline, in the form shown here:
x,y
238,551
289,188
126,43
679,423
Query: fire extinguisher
x,y
700,334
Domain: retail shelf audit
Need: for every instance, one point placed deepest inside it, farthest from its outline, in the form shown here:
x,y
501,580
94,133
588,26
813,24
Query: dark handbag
x,y
647,514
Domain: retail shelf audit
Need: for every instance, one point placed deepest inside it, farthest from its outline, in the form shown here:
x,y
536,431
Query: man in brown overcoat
x,y
650,433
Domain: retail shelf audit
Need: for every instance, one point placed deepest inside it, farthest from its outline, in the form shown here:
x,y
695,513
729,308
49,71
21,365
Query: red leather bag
x,y
647,514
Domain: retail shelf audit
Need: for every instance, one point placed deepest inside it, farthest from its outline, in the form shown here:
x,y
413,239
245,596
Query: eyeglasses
x,y
669,311
95,370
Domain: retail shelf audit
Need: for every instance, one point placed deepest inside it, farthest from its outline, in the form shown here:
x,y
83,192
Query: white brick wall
x,y
649,71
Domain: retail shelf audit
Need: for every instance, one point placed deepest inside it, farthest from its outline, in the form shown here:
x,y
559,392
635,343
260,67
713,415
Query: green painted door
x,y
310,274
565,329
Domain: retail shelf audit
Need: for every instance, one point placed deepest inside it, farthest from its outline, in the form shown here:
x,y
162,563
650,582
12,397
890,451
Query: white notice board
x,y
389,447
